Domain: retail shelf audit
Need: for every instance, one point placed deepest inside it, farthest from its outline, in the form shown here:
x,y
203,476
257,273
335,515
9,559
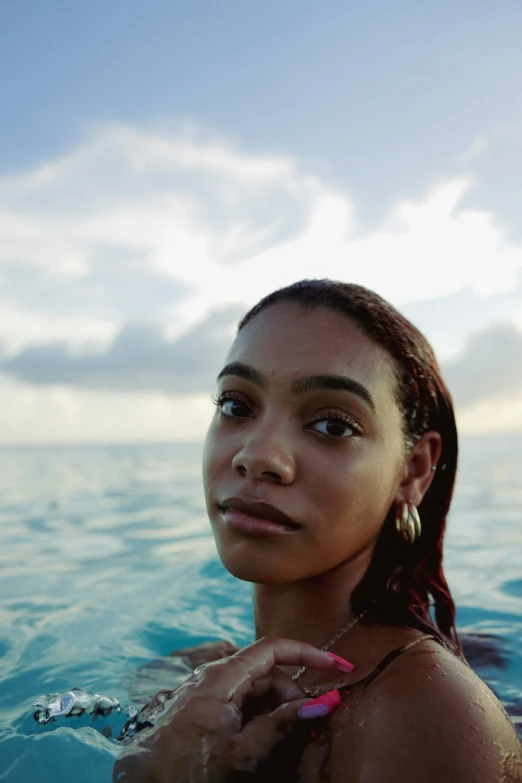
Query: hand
x,y
205,653
202,737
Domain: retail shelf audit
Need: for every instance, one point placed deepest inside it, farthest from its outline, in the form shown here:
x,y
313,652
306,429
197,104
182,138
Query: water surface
x,y
107,564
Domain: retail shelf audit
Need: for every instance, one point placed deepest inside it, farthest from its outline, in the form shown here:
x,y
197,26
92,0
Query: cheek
x,y
209,456
358,496
216,456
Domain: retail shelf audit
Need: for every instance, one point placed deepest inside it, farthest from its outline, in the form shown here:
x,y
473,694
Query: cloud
x,y
145,387
172,222
144,193
172,226
448,321
132,222
490,367
477,148
498,170
57,414
140,358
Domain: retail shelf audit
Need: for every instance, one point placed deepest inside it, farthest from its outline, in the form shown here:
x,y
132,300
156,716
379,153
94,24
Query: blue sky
x,y
394,128
377,95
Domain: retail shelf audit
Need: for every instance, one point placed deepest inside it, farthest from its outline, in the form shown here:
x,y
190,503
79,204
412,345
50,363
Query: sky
x,y
164,165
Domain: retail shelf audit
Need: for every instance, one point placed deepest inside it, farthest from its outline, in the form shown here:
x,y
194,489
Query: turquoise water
x,y
107,564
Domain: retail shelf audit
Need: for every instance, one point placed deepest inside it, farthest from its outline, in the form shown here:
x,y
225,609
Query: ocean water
x,y
107,565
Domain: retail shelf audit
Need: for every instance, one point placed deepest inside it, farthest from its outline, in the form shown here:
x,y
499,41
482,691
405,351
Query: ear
x,y
417,473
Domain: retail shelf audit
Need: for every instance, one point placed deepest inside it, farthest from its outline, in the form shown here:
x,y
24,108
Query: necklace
x,y
329,644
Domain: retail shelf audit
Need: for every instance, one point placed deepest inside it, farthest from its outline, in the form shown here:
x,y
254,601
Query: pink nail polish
x,y
313,711
323,705
341,664
332,699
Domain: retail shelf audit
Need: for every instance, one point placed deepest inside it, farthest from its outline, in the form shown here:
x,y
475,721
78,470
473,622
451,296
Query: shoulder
x,y
427,717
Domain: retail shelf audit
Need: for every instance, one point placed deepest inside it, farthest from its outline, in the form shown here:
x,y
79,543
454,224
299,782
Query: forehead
x,y
288,340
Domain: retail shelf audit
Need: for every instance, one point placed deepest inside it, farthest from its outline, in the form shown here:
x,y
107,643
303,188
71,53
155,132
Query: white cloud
x,y
166,225
489,368
21,327
503,415
33,415
232,226
448,321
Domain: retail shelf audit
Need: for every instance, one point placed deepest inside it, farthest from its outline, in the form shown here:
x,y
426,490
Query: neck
x,y
312,610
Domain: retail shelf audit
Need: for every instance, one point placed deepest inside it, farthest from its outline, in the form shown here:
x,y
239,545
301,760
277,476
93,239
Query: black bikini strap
x,y
383,664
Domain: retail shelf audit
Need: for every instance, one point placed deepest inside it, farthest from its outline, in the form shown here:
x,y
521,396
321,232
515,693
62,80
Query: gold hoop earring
x,y
407,521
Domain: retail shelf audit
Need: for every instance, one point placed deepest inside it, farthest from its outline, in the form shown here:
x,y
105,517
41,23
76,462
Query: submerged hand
x,y
202,737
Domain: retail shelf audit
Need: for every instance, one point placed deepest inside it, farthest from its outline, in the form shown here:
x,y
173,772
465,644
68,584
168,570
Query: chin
x,y
259,569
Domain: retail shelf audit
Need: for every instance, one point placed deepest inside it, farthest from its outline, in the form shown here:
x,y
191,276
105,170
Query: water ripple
x,y
107,564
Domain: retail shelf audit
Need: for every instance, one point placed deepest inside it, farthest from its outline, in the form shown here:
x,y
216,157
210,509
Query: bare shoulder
x,y
427,717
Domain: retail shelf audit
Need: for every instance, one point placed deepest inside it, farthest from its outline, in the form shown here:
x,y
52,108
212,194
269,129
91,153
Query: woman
x,y
328,471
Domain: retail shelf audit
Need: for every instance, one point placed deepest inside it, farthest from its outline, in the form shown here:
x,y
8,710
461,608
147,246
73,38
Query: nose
x,y
267,456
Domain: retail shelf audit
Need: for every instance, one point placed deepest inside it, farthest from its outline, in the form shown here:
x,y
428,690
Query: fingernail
x,y
332,699
341,664
321,706
313,711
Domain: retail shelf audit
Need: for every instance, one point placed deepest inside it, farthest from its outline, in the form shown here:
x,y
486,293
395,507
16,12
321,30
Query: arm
x,y
431,720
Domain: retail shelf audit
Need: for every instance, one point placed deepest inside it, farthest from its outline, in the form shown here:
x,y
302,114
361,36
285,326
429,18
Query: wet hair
x,y
405,583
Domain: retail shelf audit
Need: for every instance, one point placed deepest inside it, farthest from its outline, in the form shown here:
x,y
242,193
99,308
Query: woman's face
x,y
307,422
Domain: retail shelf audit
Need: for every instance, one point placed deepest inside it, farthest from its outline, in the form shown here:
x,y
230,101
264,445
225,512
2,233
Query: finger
x,y
238,673
286,652
259,737
280,683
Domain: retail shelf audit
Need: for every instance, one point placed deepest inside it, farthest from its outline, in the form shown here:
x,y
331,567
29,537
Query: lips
x,y
260,510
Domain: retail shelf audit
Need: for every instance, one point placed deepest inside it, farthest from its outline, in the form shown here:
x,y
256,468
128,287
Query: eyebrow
x,y
335,382
243,371
303,385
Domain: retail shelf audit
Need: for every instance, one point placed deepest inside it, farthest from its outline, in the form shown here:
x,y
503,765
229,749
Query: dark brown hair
x,y
405,583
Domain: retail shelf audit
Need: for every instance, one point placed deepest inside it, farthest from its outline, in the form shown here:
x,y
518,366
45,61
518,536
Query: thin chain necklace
x,y
329,644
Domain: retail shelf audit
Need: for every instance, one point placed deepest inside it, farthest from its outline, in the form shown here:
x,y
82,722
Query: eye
x,y
232,406
336,426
